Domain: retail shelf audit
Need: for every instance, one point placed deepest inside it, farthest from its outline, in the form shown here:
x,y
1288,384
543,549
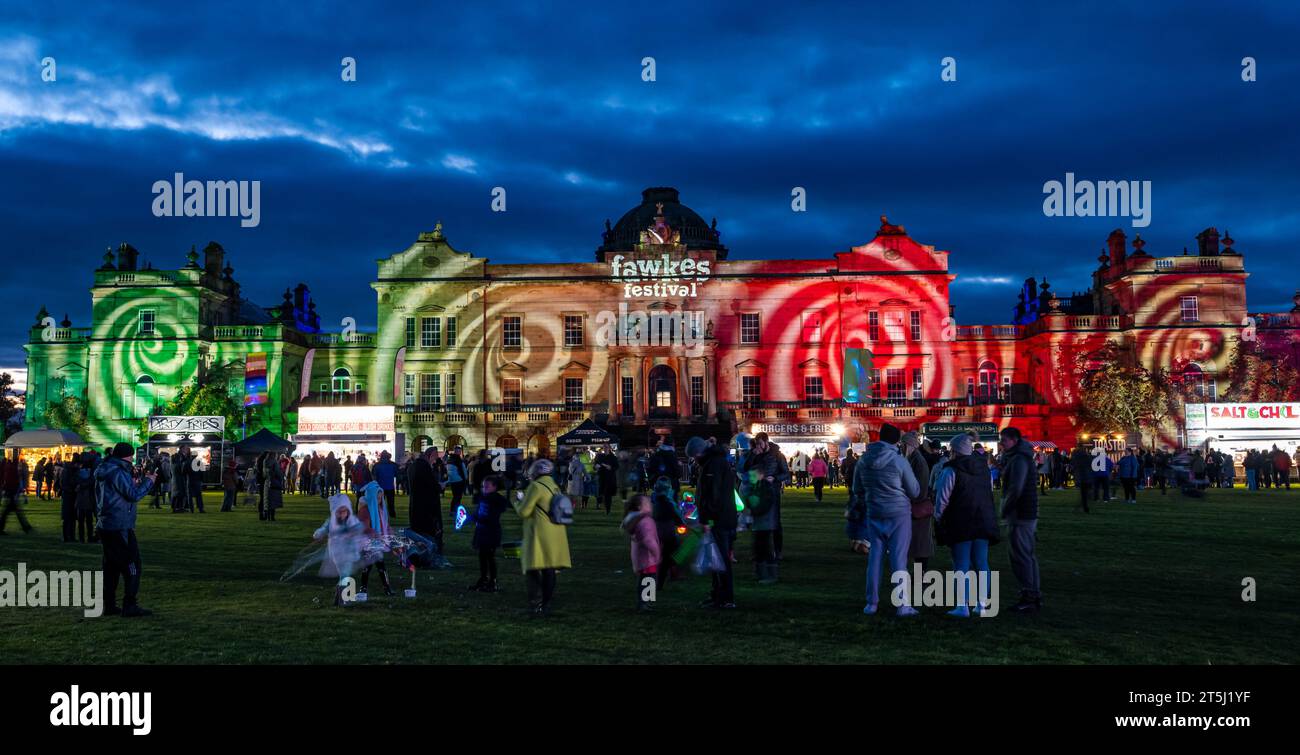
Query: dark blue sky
x,y
546,100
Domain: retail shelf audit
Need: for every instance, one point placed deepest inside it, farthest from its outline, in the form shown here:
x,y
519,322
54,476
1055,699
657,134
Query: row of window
x,y
894,386
430,332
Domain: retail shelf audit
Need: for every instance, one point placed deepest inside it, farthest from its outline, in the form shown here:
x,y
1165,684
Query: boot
x,y
383,578
490,586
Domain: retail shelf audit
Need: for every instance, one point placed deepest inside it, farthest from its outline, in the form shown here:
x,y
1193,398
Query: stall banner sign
x,y
255,379
175,424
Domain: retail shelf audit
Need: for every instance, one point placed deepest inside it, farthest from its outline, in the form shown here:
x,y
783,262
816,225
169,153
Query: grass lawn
x,y
1159,582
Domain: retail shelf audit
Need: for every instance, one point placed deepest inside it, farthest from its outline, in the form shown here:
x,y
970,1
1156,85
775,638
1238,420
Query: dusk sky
x,y
547,100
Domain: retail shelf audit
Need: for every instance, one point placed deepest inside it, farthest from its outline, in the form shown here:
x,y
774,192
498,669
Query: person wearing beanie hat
x,y
885,480
118,495
966,522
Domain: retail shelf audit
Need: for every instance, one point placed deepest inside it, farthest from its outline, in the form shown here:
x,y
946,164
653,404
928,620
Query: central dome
x,y
694,232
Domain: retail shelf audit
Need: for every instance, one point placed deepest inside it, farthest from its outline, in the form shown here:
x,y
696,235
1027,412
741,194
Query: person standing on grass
x,y
545,548
922,544
885,481
68,486
765,471
457,479
965,520
274,486
606,478
1129,470
118,496
1081,467
385,475
346,479
818,470
1020,510
489,505
639,524
425,507
229,484
1282,466
715,500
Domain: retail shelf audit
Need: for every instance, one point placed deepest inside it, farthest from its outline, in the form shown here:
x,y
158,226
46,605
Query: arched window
x,y
422,442
141,397
342,381
1197,384
988,380
507,441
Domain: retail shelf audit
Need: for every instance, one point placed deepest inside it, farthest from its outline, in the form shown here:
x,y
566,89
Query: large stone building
x,y
661,332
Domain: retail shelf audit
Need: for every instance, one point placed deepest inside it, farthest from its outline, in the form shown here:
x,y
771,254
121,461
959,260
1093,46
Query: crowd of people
x,y
906,497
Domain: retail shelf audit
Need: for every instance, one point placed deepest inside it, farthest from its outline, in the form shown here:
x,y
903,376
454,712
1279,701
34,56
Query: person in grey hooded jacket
x,y
884,479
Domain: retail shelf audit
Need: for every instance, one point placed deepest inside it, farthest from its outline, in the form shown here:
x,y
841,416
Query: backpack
x,y
561,511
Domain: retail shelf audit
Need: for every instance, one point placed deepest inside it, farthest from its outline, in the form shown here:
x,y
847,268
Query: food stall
x,y
31,446
204,436
346,431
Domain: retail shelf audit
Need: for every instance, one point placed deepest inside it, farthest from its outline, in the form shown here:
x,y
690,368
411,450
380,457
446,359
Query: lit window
x,y
1190,309
572,330
751,390
876,387
408,389
451,389
918,383
512,331
749,327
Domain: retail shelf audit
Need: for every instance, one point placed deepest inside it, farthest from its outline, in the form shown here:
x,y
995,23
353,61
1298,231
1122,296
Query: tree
x,y
68,413
210,395
8,406
1256,375
1115,393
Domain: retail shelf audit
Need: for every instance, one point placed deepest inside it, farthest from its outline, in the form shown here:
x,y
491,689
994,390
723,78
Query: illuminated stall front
x,y
347,431
204,436
1239,428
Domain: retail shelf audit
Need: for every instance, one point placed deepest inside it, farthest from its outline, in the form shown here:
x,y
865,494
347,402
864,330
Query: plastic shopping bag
x,y
708,557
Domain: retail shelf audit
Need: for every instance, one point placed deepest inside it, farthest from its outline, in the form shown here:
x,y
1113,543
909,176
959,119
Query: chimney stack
x,y
126,256
213,257
1115,242
1207,242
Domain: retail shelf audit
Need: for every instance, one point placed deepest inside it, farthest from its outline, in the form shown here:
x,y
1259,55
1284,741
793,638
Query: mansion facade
x,y
662,332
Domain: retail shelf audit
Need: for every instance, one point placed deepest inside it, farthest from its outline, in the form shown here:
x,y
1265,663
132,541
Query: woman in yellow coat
x,y
545,544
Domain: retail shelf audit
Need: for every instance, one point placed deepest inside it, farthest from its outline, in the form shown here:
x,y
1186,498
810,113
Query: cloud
x,y
460,163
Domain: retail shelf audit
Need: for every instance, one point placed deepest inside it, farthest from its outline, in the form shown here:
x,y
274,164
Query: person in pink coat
x,y
817,469
639,524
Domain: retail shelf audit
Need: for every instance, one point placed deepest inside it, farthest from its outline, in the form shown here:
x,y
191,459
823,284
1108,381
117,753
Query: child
x,y
640,525
667,520
489,506
346,536
374,517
